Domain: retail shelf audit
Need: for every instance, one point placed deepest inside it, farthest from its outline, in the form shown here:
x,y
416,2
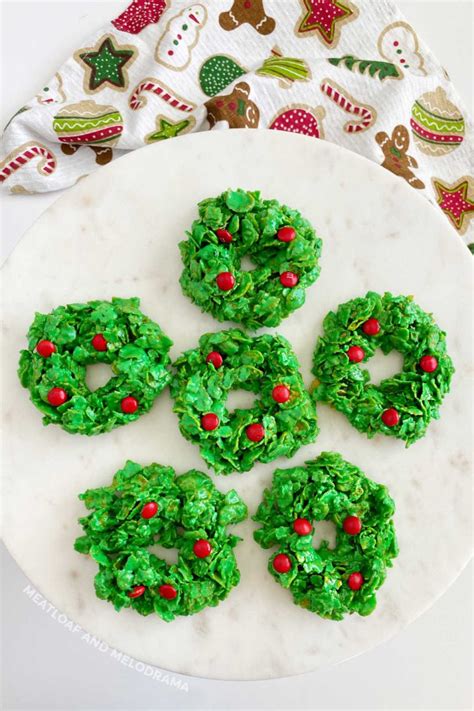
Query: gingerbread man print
x,y
396,158
236,108
249,12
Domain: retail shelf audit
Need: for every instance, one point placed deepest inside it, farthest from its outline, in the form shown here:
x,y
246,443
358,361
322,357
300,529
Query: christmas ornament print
x,y
436,123
138,99
456,201
396,158
365,115
398,43
88,123
174,50
23,154
166,128
138,15
236,109
217,72
324,19
53,93
299,118
251,12
106,64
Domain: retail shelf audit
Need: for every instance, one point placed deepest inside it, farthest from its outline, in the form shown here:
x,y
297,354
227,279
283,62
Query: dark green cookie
x,y
282,419
280,243
148,505
328,581
63,343
401,406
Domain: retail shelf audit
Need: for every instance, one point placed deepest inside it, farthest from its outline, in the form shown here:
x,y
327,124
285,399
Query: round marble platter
x,y
116,234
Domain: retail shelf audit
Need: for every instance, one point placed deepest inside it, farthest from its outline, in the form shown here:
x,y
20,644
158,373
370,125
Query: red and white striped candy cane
x,y
138,101
347,103
23,154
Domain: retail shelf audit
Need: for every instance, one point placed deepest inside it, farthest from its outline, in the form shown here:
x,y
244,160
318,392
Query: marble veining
x,y
116,233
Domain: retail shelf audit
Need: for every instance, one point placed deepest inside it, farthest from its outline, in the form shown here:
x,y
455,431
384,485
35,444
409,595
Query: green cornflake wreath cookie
x,y
145,506
330,582
282,419
64,342
278,240
403,405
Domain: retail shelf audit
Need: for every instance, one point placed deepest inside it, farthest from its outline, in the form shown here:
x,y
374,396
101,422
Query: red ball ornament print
x,y
167,591
215,358
129,405
224,236
57,397
302,526
281,394
286,234
45,349
209,422
352,525
289,279
137,591
355,354
390,417
355,581
371,327
202,548
149,510
281,563
225,281
428,363
255,432
99,342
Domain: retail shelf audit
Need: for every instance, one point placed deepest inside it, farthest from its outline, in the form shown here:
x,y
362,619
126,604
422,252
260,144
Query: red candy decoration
x,y
149,510
129,405
99,342
255,432
281,563
224,236
137,591
168,592
428,363
45,348
225,281
390,417
286,234
352,525
202,548
209,422
289,279
281,393
371,327
215,358
355,354
302,526
355,581
57,397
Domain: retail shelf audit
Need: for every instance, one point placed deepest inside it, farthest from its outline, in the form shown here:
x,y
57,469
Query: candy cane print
x,y
138,101
23,154
347,103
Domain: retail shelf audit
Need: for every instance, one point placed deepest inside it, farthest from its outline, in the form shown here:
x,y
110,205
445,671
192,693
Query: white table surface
x,y
46,666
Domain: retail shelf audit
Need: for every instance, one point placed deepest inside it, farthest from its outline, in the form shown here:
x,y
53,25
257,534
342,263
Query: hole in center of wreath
x,y
97,375
169,555
324,531
382,366
246,264
240,400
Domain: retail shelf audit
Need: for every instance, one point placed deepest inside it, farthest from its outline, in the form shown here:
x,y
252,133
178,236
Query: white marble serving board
x,y
116,234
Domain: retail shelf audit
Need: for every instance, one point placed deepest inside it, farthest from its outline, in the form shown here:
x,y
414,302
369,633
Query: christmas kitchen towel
x,y
349,71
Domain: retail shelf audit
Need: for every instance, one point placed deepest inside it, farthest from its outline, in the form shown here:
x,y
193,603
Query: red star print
x,y
322,16
454,201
